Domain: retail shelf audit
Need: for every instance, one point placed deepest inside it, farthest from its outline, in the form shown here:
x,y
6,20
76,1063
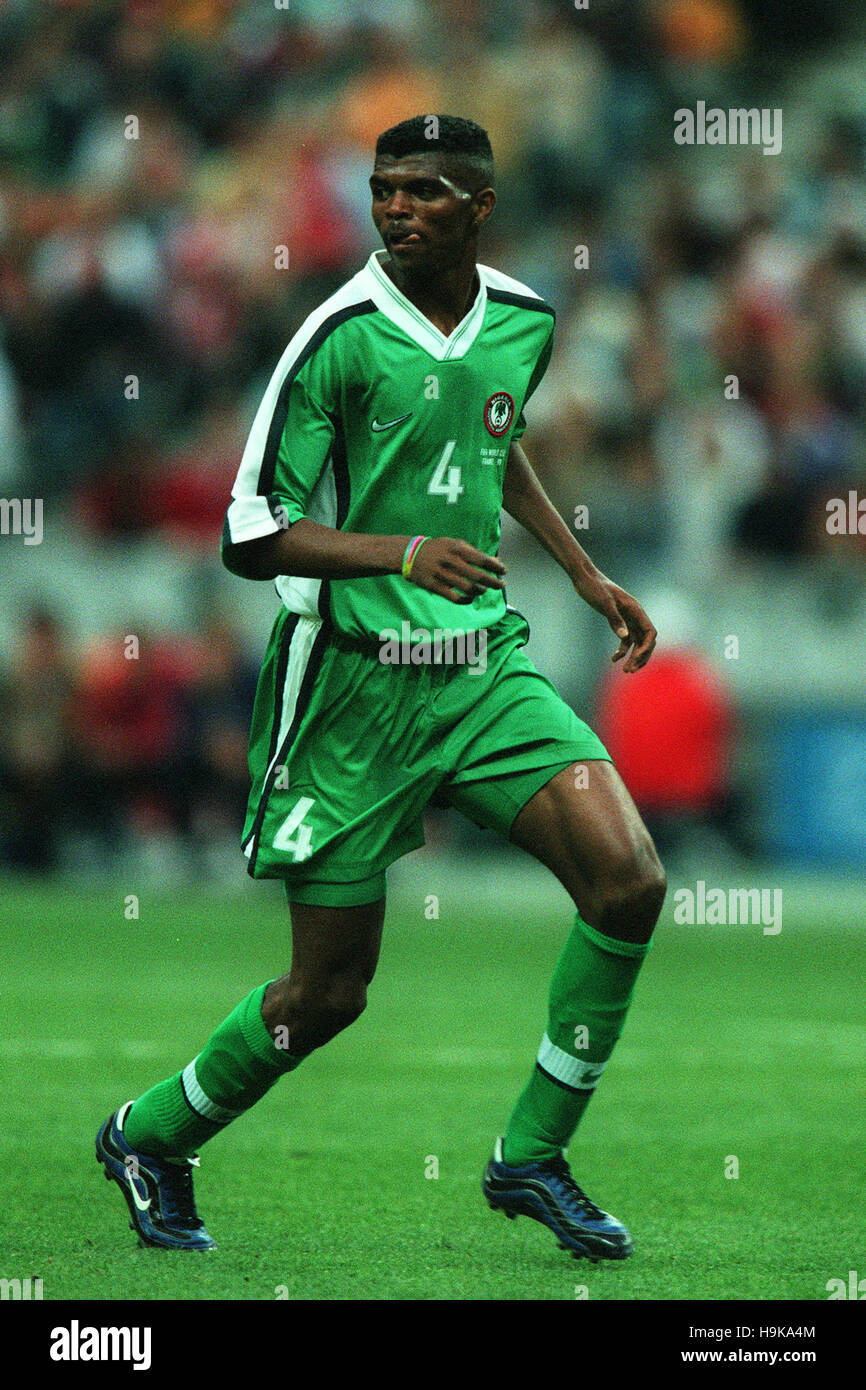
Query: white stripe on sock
x,y
201,1103
580,1076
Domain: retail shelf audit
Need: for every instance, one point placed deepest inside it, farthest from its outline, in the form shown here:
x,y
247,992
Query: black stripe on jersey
x,y
277,509
521,301
268,468
342,487
314,663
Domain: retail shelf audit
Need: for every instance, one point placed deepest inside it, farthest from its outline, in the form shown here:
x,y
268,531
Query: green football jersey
x,y
375,421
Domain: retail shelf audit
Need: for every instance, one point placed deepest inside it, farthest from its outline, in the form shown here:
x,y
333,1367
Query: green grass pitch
x,y
738,1044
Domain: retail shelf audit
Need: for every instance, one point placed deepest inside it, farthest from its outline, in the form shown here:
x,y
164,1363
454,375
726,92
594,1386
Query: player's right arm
x,y
443,565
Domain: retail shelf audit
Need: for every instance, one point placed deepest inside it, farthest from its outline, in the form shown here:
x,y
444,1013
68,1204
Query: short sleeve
x,y
289,444
540,368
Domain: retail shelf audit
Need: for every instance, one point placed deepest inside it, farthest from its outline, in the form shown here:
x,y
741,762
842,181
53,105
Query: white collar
x,y
401,311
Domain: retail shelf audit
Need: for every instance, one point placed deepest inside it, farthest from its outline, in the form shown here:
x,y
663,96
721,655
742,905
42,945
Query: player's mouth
x,y
404,239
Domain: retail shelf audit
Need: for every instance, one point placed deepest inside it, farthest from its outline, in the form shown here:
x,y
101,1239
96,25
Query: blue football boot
x,y
158,1193
548,1193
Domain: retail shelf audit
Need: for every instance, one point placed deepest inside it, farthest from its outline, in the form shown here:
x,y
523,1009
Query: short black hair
x,y
461,142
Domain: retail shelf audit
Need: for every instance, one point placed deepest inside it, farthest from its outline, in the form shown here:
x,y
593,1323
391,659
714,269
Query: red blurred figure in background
x,y
127,723
670,733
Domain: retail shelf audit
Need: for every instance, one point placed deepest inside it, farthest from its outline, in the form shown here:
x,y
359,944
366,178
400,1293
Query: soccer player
x,y
371,490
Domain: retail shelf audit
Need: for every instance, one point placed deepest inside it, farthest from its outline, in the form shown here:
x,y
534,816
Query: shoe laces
x,y
559,1166
179,1207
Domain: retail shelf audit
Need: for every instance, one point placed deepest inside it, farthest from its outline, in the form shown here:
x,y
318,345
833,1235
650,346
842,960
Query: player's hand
x,y
625,615
455,569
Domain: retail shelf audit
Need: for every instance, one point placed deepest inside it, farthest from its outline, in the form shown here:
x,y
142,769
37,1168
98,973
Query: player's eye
x,y
424,191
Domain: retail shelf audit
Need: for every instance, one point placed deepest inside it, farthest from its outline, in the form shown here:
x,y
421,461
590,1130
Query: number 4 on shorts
x,y
300,844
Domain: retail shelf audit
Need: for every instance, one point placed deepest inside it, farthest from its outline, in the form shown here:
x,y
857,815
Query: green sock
x,y
237,1065
590,994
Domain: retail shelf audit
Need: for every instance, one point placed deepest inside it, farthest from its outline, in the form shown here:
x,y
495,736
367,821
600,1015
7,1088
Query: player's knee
x,y
317,1010
629,900
344,1000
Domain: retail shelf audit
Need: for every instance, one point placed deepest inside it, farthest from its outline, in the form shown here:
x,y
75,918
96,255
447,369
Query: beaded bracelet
x,y
411,551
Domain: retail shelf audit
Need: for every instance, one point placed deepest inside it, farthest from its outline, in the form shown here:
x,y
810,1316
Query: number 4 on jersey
x,y
446,476
301,845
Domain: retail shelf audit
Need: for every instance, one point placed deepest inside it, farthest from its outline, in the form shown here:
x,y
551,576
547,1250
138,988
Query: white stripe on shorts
x,y
303,637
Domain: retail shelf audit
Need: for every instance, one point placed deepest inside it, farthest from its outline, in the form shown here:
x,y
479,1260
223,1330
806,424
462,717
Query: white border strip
x,y
201,1103
580,1076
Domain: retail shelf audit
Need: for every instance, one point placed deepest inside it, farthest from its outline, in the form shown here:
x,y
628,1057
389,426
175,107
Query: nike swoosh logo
x,y
376,426
139,1201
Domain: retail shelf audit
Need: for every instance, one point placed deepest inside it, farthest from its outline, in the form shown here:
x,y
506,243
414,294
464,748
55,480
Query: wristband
x,y
411,551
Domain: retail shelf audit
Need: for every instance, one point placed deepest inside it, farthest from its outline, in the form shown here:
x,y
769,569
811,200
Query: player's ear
x,y
484,203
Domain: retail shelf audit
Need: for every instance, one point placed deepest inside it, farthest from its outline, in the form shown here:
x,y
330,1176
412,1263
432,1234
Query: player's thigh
x,y
336,941
585,827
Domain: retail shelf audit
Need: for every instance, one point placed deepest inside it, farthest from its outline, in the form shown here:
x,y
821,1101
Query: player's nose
x,y
399,204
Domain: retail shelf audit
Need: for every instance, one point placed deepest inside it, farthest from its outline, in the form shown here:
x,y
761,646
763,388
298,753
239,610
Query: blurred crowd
x,y
182,181
141,738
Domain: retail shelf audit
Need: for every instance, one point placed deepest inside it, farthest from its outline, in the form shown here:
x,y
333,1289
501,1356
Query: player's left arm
x,y
524,498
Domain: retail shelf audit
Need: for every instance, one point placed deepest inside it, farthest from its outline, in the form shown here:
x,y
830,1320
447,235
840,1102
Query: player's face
x,y
424,218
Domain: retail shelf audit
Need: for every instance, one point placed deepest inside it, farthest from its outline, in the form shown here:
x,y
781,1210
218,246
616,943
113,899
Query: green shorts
x,y
347,750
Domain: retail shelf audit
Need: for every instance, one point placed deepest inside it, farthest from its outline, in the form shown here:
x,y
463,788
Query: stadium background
x,y
151,253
